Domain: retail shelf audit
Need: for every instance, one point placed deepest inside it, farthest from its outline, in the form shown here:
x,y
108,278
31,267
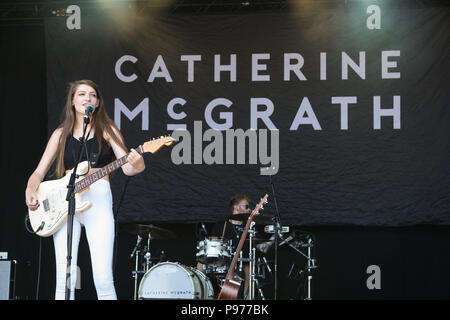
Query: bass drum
x,y
171,280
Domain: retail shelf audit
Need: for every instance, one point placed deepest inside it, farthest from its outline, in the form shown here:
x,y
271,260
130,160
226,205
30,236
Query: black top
x,y
92,149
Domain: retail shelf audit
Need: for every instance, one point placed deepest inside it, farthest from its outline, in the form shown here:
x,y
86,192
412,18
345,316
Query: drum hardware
x,y
147,232
266,264
263,247
162,256
148,258
260,271
135,272
261,293
260,278
256,267
251,256
271,229
240,259
254,263
214,253
256,271
299,242
215,270
251,260
230,289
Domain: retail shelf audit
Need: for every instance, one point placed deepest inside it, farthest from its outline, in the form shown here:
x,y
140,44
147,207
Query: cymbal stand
x,y
261,274
251,256
148,255
312,264
276,225
261,294
135,274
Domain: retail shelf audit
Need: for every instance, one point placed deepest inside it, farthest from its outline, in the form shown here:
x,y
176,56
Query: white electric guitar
x,y
53,210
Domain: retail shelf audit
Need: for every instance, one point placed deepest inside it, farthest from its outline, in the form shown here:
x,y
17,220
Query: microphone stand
x,y
71,199
276,233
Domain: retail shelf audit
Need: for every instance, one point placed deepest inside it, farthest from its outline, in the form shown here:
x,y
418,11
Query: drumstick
x,y
224,227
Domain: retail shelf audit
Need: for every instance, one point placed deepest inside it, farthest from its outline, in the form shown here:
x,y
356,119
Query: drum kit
x,y
156,278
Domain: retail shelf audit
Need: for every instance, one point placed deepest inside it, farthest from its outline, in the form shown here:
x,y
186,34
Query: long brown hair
x,y
100,121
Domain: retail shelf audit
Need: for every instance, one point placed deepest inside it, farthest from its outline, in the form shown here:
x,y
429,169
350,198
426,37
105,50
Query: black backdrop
x,y
331,172
412,259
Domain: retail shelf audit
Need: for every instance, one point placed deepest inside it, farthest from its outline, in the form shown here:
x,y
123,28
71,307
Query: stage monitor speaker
x,y
5,279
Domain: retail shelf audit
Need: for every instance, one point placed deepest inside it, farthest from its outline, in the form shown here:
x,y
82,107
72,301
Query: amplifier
x,y
7,275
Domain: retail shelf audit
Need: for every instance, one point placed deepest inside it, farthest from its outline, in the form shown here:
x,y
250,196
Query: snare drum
x,y
169,280
214,251
211,270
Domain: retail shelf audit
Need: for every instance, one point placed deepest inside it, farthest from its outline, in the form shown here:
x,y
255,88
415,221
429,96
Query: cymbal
x,y
145,230
245,216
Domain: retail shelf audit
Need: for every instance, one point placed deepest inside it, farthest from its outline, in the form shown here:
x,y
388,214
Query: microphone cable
x,y
27,218
38,282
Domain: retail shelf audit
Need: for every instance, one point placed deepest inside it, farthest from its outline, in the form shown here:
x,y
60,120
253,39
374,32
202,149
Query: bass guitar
x,y
53,211
230,288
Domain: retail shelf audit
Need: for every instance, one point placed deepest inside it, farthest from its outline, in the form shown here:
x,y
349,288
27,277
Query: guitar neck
x,y
244,235
97,175
238,250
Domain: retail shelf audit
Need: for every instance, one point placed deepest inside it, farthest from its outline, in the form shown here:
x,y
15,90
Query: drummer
x,y
232,230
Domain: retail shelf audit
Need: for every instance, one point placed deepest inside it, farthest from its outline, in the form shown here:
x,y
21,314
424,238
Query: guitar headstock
x,y
259,206
156,144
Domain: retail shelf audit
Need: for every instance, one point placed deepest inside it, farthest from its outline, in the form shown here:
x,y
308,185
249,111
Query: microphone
x,y
89,109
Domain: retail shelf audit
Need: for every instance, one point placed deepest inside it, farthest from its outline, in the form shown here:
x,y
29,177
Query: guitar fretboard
x,y
97,175
238,250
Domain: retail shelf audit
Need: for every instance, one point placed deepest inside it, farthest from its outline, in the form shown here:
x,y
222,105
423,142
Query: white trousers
x,y
98,222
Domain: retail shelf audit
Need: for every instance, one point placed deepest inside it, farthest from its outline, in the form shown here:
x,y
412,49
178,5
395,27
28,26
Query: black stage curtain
x,y
23,139
360,112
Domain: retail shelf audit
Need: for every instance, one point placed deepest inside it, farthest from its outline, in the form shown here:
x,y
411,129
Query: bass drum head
x,y
170,280
208,289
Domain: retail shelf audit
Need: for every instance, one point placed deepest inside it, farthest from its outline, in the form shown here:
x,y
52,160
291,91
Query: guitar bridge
x,y
236,283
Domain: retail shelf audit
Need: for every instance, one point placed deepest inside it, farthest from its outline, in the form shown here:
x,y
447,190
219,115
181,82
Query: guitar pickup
x,y
46,205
